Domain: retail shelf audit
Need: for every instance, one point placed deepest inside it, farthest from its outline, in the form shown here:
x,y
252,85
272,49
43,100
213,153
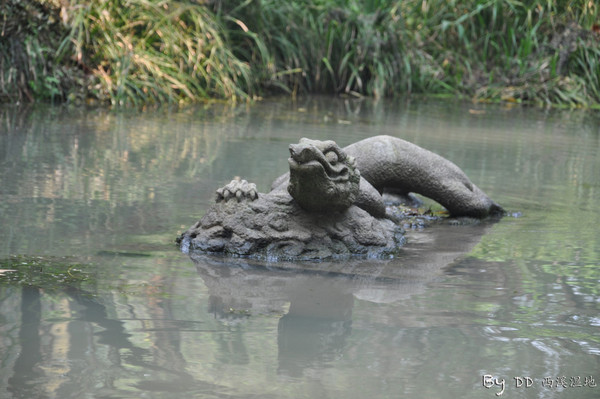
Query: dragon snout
x,y
301,152
294,150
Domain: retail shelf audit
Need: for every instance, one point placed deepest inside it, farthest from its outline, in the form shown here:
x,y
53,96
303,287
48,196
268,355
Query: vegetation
x,y
31,65
48,273
144,51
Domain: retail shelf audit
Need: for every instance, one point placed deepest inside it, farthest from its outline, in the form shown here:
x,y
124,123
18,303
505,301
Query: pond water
x,y
96,301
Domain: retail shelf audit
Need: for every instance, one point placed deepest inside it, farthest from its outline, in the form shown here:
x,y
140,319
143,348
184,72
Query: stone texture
x,y
274,227
390,163
330,205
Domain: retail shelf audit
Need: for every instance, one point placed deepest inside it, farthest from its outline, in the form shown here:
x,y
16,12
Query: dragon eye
x,y
331,157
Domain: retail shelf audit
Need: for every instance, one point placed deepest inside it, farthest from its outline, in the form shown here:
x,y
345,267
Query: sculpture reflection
x,y
315,300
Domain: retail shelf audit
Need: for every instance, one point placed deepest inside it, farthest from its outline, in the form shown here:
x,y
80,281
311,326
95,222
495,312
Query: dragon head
x,y
322,177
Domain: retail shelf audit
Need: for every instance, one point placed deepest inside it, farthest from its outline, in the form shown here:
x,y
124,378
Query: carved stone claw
x,y
238,189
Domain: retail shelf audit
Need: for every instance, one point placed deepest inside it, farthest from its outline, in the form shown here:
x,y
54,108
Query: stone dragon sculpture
x,y
330,203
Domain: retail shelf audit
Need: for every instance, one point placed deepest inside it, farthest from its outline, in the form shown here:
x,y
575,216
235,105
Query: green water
x,y
96,301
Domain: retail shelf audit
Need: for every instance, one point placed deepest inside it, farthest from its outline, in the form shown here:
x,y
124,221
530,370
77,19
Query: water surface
x,y
97,302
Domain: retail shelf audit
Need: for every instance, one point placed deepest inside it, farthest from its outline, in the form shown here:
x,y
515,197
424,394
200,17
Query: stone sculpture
x,y
330,204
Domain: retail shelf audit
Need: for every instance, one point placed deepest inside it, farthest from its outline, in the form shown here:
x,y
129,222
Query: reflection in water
x,y
74,342
320,296
313,333
55,363
24,383
76,178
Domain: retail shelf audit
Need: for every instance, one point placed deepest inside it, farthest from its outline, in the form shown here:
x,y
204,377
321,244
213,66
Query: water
x,y
97,302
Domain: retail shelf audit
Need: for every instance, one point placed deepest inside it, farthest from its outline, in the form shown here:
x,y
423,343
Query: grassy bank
x,y
146,51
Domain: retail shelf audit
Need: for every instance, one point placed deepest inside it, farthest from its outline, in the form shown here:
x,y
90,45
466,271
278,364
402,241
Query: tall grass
x,y
352,47
31,65
140,51
519,51
144,51
539,51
